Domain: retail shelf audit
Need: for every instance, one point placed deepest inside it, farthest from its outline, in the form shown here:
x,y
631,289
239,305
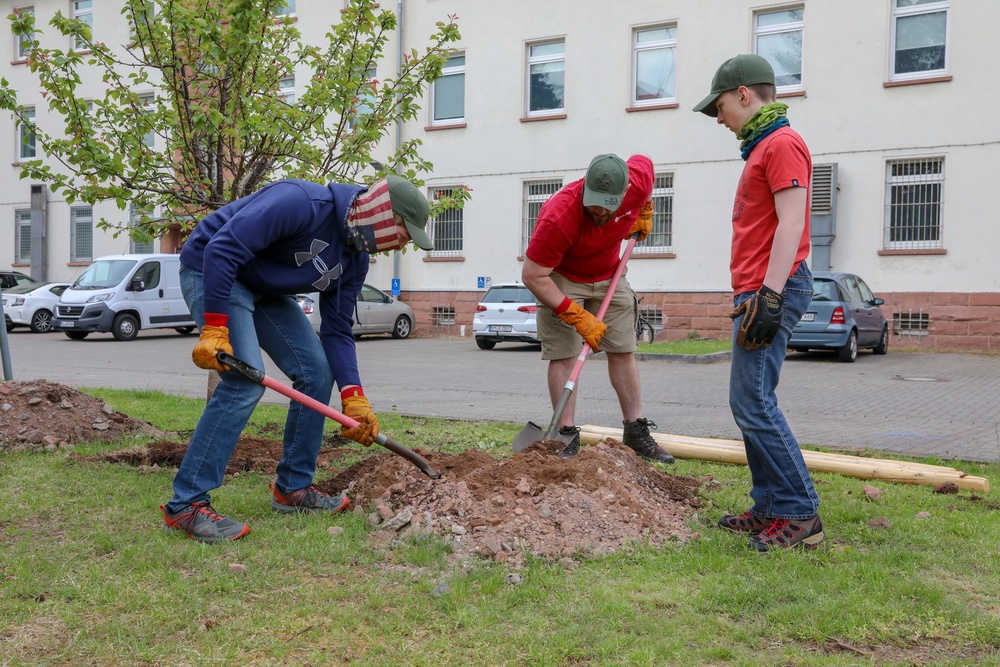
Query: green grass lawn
x,y
88,578
685,346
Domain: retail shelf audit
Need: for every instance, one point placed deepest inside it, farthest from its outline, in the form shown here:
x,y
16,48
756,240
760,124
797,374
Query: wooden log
x,y
732,451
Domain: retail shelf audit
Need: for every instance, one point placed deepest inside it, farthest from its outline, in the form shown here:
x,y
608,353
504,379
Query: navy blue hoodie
x,y
287,238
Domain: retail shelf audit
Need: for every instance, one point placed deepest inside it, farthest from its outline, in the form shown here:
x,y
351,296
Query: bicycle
x,y
644,332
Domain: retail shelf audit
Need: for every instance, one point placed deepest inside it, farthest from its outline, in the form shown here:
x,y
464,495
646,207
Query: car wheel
x,y
76,335
401,329
125,327
883,342
10,326
184,331
486,343
849,352
41,321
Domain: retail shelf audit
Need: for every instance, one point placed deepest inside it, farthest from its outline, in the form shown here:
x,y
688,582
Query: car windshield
x,y
509,295
104,274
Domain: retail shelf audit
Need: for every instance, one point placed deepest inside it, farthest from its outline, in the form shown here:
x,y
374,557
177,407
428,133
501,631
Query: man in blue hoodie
x,y
240,268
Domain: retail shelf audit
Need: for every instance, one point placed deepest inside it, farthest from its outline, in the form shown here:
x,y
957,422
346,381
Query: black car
x,y
844,316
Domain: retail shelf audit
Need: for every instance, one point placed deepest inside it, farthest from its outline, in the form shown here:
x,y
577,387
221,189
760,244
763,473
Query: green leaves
x,y
208,102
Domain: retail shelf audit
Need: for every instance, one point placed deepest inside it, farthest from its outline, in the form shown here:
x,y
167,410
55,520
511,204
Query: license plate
x,y
809,317
500,327
66,324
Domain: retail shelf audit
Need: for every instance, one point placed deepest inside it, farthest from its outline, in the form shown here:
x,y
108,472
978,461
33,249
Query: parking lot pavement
x,y
914,403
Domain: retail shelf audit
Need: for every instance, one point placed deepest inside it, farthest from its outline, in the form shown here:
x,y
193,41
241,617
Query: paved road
x,y
910,403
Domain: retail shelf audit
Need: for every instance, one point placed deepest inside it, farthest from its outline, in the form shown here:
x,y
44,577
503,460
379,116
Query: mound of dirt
x,y
533,503
38,415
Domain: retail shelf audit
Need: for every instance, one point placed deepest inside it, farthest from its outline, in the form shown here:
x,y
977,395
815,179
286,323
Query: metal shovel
x,y
256,375
532,432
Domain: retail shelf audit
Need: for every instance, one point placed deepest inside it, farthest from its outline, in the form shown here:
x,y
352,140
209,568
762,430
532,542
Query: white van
x,y
123,294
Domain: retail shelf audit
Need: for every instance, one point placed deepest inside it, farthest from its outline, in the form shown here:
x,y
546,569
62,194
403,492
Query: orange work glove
x,y
644,223
357,407
588,326
212,341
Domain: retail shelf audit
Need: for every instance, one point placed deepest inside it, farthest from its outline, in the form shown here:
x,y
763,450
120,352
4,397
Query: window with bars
x,y
535,194
654,65
914,200
919,38
652,314
918,323
22,234
443,316
777,37
81,231
446,228
661,238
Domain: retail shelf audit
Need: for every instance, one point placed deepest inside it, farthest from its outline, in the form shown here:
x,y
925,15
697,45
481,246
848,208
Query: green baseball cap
x,y
606,182
408,202
745,69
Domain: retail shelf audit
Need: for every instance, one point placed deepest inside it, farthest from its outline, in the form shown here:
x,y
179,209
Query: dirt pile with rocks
x,y
38,415
534,503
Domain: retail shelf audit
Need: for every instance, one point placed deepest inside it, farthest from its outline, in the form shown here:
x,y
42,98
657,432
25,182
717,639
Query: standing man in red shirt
x,y
568,266
772,288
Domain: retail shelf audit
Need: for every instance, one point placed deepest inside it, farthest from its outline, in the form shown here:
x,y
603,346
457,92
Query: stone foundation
x,y
929,320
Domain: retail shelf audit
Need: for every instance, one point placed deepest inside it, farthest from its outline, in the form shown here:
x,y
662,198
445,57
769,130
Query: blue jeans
x,y
782,486
279,327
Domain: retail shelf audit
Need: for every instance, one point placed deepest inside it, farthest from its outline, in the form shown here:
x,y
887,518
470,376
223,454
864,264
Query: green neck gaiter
x,y
760,122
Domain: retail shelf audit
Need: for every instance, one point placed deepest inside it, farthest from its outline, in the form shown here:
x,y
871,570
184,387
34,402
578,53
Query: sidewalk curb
x,y
710,358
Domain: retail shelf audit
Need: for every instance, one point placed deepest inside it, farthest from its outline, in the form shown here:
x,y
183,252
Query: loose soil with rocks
x,y
504,510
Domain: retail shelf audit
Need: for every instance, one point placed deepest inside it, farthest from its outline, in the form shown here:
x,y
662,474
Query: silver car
x,y
32,305
507,312
375,312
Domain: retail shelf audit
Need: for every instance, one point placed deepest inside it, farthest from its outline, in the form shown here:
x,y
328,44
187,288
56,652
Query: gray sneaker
x,y
203,523
308,500
573,447
636,436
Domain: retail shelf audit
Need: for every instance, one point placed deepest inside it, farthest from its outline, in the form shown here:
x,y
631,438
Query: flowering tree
x,y
195,111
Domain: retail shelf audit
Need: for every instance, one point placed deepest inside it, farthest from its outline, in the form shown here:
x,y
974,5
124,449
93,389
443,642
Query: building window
x,y
446,229
535,194
777,37
81,231
83,10
914,200
286,90
22,43
287,8
26,134
448,96
22,235
443,316
365,100
546,78
661,238
146,101
919,38
139,242
654,65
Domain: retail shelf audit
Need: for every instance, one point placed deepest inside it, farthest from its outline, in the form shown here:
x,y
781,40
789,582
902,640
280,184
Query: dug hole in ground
x,y
533,503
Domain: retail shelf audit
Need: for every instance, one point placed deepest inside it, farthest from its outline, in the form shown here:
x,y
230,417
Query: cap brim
x,y
707,105
594,198
419,236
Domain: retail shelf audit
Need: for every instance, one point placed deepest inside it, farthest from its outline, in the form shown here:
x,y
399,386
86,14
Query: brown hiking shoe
x,y
747,523
788,534
636,436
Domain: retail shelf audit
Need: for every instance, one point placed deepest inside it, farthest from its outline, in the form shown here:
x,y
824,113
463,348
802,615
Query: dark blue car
x,y
844,316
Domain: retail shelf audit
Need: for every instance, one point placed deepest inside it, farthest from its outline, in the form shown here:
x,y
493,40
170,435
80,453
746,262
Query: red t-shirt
x,y
567,240
781,160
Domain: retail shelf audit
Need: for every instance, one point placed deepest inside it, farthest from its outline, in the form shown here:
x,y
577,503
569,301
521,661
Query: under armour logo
x,y
603,183
327,275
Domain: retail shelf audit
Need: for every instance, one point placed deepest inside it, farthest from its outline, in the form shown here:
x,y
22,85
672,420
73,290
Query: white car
x,y
375,312
32,305
507,312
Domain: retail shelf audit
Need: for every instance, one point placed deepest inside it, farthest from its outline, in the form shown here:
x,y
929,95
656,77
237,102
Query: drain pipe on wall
x,y
399,125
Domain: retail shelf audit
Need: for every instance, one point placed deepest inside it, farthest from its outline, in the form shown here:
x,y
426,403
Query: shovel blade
x,y
532,433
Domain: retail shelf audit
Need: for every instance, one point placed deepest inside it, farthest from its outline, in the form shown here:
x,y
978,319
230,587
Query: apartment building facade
x,y
887,94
